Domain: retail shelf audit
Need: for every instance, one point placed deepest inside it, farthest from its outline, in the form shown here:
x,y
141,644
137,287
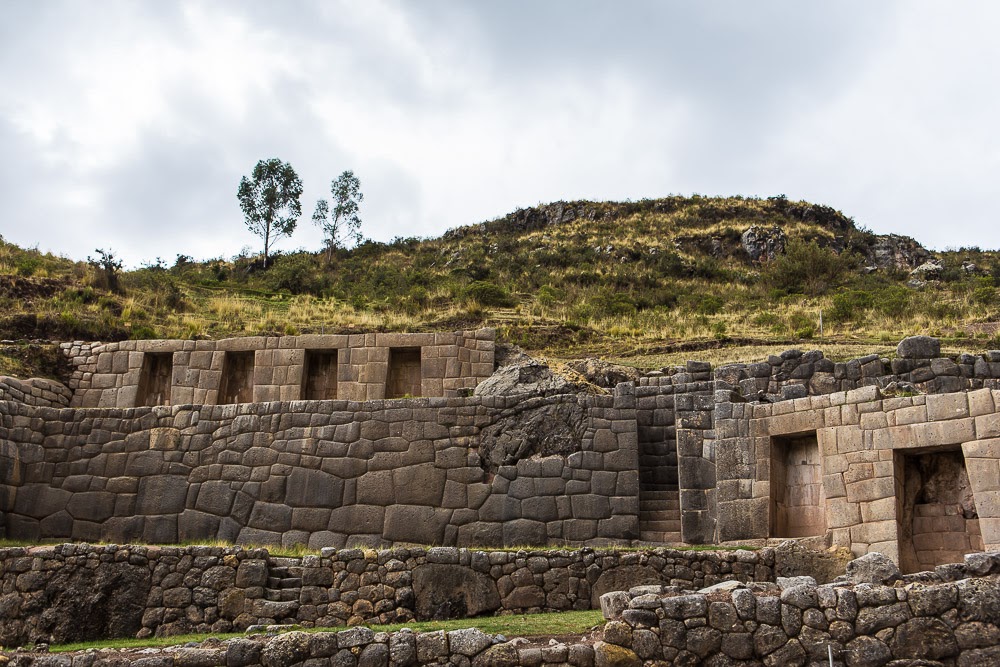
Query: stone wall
x,y
36,391
112,375
75,592
323,473
863,440
348,648
951,616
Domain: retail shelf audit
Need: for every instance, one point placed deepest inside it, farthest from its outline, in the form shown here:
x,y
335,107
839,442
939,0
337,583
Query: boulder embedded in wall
x,y
919,347
86,604
763,244
602,373
537,426
873,568
623,578
452,591
526,376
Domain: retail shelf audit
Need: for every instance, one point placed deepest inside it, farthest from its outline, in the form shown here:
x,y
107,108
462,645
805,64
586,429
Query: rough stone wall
x,y
36,391
109,375
355,647
324,473
862,438
951,616
75,592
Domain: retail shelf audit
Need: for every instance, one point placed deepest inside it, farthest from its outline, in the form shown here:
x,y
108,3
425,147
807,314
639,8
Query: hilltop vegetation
x,y
612,279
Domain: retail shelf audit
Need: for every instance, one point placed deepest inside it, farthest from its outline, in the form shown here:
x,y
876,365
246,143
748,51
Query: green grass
x,y
628,280
512,625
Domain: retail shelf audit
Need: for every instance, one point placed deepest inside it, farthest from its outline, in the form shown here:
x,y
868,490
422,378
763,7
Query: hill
x,y
632,280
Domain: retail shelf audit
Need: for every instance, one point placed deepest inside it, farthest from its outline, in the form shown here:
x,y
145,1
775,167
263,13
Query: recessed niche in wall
x,y
797,497
403,377
237,378
319,381
938,521
154,378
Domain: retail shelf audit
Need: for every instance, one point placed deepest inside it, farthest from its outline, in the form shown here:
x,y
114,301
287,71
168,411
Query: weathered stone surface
x,y
451,591
872,568
919,347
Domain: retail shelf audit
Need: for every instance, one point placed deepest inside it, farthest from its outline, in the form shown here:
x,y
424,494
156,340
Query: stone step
x,y
673,537
659,494
281,595
282,583
659,526
646,506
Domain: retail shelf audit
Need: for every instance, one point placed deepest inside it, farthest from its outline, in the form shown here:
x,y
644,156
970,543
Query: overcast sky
x,y
129,124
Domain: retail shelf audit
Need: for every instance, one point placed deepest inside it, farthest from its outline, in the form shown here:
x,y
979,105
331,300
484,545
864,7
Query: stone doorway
x,y
938,522
319,382
403,377
798,502
155,379
237,378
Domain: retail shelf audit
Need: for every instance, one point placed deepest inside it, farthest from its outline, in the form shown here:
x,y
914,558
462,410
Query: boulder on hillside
x,y
892,251
763,244
919,347
527,377
602,373
930,270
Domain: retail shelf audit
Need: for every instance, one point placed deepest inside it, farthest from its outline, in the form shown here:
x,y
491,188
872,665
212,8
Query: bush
x,y
549,296
849,304
296,273
806,268
486,293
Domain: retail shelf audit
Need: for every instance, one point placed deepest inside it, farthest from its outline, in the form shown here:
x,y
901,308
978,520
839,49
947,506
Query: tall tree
x,y
342,224
270,201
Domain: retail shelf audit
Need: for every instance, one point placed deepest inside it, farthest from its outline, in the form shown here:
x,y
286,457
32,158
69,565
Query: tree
x,y
108,268
270,201
342,224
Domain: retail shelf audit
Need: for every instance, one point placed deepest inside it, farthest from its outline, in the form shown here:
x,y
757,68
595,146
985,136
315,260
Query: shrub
x,y
486,293
849,304
807,268
549,296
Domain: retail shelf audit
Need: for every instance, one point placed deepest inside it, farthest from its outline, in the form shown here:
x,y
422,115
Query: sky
x,y
128,125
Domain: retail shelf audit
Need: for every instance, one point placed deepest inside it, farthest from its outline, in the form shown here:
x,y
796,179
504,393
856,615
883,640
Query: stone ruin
x,y
376,440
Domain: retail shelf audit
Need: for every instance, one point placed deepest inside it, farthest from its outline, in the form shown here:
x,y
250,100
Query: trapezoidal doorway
x,y
403,377
798,503
938,522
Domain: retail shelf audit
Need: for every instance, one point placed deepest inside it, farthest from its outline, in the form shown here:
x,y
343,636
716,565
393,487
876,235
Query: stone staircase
x,y
660,516
659,498
284,581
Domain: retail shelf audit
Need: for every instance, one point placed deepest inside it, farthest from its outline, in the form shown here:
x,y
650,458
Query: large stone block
x,y
313,488
161,494
919,347
409,523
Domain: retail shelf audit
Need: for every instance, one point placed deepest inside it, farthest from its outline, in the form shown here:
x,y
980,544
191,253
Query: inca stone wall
x,y
320,473
76,592
947,617
114,375
683,454
36,392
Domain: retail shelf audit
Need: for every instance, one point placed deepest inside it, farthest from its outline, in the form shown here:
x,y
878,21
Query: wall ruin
x,y
794,446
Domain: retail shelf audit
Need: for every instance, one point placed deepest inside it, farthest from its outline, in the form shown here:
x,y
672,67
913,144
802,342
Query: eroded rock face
x,y
604,374
872,568
763,244
539,426
452,591
525,377
893,251
86,604
919,347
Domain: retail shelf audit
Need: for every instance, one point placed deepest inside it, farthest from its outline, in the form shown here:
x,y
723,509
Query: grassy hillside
x,y
632,280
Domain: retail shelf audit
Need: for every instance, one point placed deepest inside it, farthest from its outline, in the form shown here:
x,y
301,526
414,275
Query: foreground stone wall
x,y
323,473
75,592
951,616
111,374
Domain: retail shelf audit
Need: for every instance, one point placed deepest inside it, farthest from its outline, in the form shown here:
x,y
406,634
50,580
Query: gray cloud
x,y
129,125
